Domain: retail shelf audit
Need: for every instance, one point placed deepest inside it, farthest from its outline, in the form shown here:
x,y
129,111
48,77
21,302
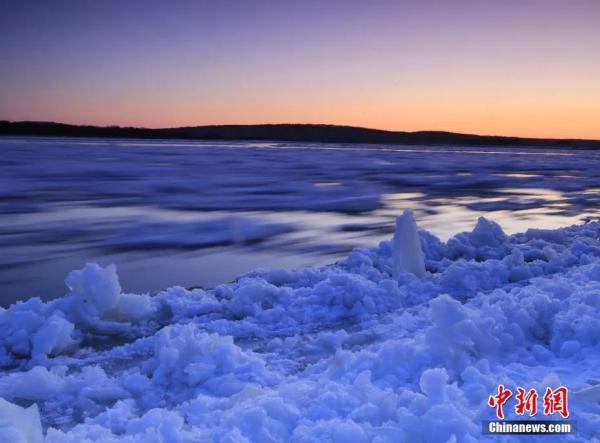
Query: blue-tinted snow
x,y
343,353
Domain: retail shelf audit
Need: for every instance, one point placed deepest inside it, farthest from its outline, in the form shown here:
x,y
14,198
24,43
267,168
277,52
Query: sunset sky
x,y
529,68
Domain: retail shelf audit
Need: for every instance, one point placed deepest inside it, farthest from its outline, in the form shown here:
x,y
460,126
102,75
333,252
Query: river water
x,y
197,214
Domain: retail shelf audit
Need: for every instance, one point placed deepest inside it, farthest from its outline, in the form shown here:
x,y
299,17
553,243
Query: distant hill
x,y
289,132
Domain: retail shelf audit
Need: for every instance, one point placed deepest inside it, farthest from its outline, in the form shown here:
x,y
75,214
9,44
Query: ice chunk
x,y
97,288
55,335
187,356
433,384
97,303
487,233
20,425
135,307
407,252
36,384
487,240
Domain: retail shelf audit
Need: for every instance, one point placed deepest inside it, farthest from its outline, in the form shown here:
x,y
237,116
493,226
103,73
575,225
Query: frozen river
x,y
197,214
358,351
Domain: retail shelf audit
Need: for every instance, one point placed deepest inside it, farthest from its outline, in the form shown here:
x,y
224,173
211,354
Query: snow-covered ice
x,y
350,352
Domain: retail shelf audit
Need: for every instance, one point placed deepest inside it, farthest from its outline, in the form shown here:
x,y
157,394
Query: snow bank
x,y
359,351
95,305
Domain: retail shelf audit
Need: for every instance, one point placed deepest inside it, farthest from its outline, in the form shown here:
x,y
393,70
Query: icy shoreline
x,y
344,353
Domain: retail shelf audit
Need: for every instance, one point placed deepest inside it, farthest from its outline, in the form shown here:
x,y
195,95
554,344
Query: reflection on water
x,y
200,213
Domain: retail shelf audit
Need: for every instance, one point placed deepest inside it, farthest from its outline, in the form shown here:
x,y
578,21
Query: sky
x,y
527,68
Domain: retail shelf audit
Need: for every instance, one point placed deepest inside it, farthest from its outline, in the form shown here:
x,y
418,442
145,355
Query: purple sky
x,y
495,67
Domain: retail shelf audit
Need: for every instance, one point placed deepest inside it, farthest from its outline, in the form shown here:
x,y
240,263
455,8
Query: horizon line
x,y
391,131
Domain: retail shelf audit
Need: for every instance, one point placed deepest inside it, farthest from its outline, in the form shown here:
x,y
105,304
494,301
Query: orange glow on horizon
x,y
529,68
567,120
